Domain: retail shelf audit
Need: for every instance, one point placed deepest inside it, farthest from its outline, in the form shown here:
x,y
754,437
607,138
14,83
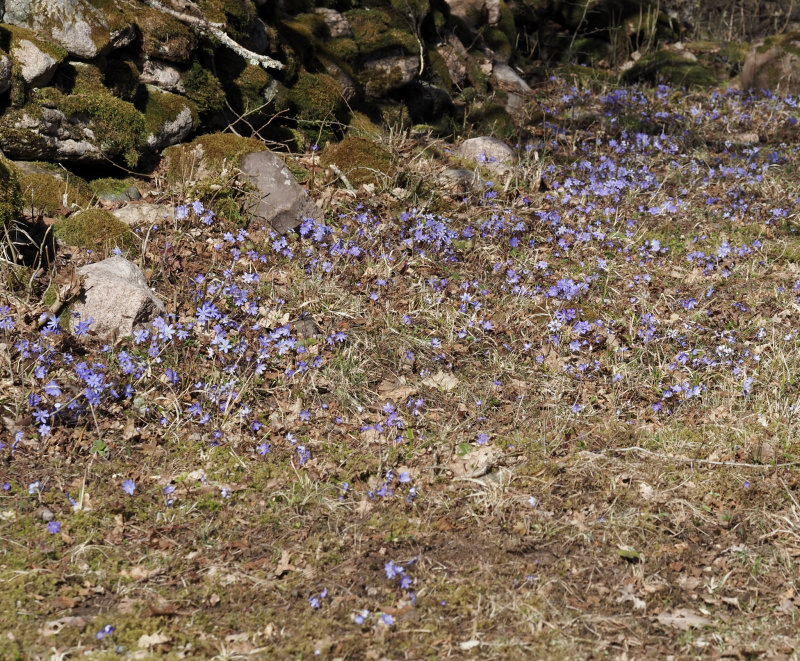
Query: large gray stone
x,y
279,200
115,294
36,66
5,73
74,24
490,152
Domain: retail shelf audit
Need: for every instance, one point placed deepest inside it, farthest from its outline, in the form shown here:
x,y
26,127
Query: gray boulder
x,y
5,73
490,152
116,296
338,25
382,75
36,66
74,24
279,200
161,75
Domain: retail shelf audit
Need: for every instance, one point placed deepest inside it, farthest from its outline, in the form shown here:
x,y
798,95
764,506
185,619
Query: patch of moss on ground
x,y
44,191
110,185
362,161
93,229
216,148
674,68
11,201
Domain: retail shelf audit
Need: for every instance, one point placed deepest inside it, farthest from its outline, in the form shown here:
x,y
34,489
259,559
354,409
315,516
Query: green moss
x,y
216,149
440,74
362,126
11,33
362,161
162,107
498,41
119,128
343,48
11,201
164,37
670,67
236,15
45,191
111,185
93,229
491,118
249,88
377,29
204,90
316,97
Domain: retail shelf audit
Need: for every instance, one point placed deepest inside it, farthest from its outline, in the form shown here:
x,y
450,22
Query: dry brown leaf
x,y
284,564
477,463
444,380
53,627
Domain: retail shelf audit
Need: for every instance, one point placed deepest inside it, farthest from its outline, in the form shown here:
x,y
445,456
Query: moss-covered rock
x,y
675,68
204,90
48,189
168,118
378,30
118,128
95,229
11,200
361,160
318,104
492,118
206,155
110,189
164,37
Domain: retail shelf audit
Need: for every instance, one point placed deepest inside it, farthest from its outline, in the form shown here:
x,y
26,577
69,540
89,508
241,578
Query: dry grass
x,y
630,496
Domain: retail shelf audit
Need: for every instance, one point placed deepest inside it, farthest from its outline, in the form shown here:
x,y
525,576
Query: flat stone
x,y
115,294
509,80
279,199
144,214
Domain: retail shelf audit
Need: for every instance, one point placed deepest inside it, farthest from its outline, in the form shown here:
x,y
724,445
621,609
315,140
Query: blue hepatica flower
x,y
129,486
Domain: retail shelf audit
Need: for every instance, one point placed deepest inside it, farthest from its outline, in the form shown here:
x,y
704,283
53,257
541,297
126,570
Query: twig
x,y
215,29
689,460
343,177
